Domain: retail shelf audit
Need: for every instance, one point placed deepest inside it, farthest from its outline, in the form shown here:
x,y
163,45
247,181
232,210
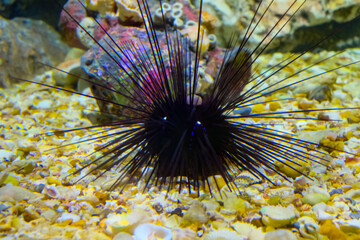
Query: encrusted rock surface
x,y
26,43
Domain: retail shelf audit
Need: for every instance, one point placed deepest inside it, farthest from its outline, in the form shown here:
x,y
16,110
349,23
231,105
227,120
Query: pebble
x,y
66,216
280,235
44,104
7,155
152,231
349,226
4,206
314,198
222,234
17,194
336,191
243,111
123,236
355,215
39,188
195,215
277,216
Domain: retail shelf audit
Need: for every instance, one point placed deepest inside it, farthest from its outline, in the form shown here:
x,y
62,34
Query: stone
x,y
26,43
314,198
320,22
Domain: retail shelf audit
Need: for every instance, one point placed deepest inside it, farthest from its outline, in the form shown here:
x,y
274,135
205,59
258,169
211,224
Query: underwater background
x,y
37,203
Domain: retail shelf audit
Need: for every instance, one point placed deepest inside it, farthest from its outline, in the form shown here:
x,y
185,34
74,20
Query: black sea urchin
x,y
164,130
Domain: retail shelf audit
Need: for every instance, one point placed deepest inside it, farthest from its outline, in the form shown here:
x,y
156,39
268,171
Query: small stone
x,y
277,216
353,195
243,111
3,206
336,191
243,228
178,212
355,215
195,215
39,188
123,236
349,178
222,234
280,235
322,216
319,169
235,204
301,181
152,231
17,194
349,226
49,215
45,104
314,198
7,155
66,216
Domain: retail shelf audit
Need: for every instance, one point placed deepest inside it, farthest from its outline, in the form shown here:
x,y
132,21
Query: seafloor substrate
x,y
35,202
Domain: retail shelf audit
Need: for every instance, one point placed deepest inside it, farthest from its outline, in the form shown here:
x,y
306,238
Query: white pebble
x,y
44,104
6,155
66,216
152,231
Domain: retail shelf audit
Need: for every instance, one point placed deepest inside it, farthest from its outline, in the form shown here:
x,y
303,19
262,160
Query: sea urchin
x,y
168,133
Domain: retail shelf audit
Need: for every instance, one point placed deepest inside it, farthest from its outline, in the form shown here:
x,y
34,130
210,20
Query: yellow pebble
x,y
51,180
258,108
80,223
274,106
12,180
331,231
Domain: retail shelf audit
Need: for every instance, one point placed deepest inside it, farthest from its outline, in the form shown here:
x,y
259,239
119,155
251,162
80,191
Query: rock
x,y
148,231
126,222
355,215
349,226
280,235
4,206
222,234
314,198
68,216
243,111
101,6
24,44
123,236
353,194
277,216
128,11
235,204
243,228
336,191
353,88
6,155
67,24
72,73
15,193
195,215
89,29
307,226
320,22
44,104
